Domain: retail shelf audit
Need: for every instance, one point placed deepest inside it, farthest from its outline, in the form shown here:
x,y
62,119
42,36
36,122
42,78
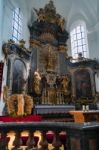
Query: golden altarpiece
x,y
48,39
44,71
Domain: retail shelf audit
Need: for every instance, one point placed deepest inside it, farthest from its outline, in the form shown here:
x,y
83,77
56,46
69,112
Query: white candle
x,y
83,107
87,107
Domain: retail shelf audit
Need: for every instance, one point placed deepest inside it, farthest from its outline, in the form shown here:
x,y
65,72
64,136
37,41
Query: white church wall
x,y
92,35
1,24
6,14
93,40
9,6
25,31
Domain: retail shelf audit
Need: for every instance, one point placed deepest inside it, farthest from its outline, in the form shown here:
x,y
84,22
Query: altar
x,y
55,113
85,116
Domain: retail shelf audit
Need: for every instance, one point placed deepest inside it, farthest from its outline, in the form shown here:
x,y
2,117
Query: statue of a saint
x,y
58,82
37,83
49,63
62,23
65,85
50,60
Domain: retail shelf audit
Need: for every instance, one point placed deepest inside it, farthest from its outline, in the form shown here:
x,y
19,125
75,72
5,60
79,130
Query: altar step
x,y
59,118
58,113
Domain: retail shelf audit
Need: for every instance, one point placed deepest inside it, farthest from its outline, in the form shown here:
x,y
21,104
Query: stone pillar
x,y
43,142
30,142
17,142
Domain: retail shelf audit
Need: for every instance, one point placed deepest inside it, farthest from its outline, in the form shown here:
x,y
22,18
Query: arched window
x,y
79,40
17,24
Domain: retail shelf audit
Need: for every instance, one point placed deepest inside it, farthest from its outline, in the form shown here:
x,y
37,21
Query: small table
x,y
85,116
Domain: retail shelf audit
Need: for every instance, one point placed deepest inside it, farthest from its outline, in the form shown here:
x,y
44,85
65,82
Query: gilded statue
x,y
61,23
22,43
40,14
48,14
65,85
50,59
37,83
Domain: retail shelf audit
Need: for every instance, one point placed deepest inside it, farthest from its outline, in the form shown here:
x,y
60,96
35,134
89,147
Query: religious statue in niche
x,y
65,83
50,59
37,83
58,82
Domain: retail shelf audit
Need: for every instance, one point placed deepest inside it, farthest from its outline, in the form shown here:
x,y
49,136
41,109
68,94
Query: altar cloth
x,y
21,119
53,109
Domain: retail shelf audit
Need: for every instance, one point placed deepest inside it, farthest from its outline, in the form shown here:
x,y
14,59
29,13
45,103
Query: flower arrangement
x,y
19,105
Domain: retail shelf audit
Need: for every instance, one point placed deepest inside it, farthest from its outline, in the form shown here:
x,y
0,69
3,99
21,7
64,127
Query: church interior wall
x,y
8,7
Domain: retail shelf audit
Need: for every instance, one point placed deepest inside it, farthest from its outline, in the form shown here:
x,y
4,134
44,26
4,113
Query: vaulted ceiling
x,y
71,9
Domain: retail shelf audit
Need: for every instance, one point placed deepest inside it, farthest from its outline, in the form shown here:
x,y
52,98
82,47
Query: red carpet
x,y
21,119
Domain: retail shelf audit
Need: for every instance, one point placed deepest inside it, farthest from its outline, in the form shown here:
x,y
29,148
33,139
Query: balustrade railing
x,y
60,135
